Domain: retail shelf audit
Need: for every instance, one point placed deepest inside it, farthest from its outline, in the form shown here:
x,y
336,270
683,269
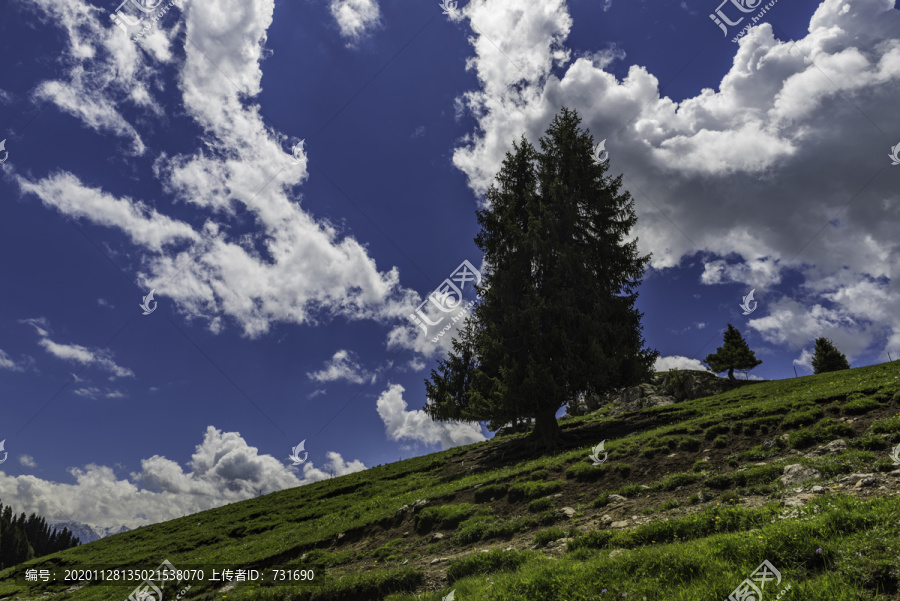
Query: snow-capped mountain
x,y
88,533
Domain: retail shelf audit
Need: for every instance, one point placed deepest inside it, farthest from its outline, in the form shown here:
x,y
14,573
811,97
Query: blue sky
x,y
284,281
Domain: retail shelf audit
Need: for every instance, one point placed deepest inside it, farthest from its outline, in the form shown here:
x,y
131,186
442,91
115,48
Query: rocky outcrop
x,y
663,389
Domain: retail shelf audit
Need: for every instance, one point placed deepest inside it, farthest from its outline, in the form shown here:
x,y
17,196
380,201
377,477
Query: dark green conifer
x,y
827,358
557,318
734,354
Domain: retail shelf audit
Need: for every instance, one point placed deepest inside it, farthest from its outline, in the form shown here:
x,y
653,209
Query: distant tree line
x,y
24,538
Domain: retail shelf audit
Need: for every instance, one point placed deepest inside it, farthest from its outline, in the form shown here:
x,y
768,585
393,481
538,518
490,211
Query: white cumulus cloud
x,y
223,469
678,362
355,18
401,424
343,367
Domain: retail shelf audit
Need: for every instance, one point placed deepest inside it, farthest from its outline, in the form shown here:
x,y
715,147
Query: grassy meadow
x,y
687,505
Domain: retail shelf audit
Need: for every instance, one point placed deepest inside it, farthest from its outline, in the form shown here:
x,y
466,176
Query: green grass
x,y
484,527
586,472
487,563
822,431
539,505
860,406
542,538
531,490
796,419
689,443
490,492
679,556
677,480
443,516
890,425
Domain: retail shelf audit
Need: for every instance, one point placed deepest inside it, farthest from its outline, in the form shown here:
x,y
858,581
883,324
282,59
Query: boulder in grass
x,y
798,473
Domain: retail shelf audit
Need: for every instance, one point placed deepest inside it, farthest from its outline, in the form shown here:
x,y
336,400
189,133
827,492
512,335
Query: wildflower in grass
x,y
819,551
603,592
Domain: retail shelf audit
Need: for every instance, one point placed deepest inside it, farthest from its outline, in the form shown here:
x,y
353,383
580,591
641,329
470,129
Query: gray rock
x,y
607,519
568,511
559,542
865,482
622,524
818,489
437,536
798,473
855,478
661,390
616,498
835,446
615,552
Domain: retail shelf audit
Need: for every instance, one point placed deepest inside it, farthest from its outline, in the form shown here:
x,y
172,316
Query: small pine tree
x,y
827,358
733,354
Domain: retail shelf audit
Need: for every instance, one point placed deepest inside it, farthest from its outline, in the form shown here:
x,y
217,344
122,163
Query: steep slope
x,y
691,499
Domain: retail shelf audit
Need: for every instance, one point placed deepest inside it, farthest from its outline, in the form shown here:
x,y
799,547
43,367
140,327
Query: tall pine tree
x,y
556,318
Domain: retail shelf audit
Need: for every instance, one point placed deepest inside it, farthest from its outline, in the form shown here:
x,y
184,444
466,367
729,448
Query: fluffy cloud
x,y
678,362
290,268
760,272
100,358
725,165
343,367
332,468
223,469
145,226
401,424
444,315
105,70
797,325
355,18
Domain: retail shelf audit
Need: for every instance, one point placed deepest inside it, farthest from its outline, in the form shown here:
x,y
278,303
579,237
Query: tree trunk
x,y
731,374
546,429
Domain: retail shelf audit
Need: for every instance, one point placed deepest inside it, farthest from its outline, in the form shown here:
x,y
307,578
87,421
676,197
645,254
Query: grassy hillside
x,y
688,504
